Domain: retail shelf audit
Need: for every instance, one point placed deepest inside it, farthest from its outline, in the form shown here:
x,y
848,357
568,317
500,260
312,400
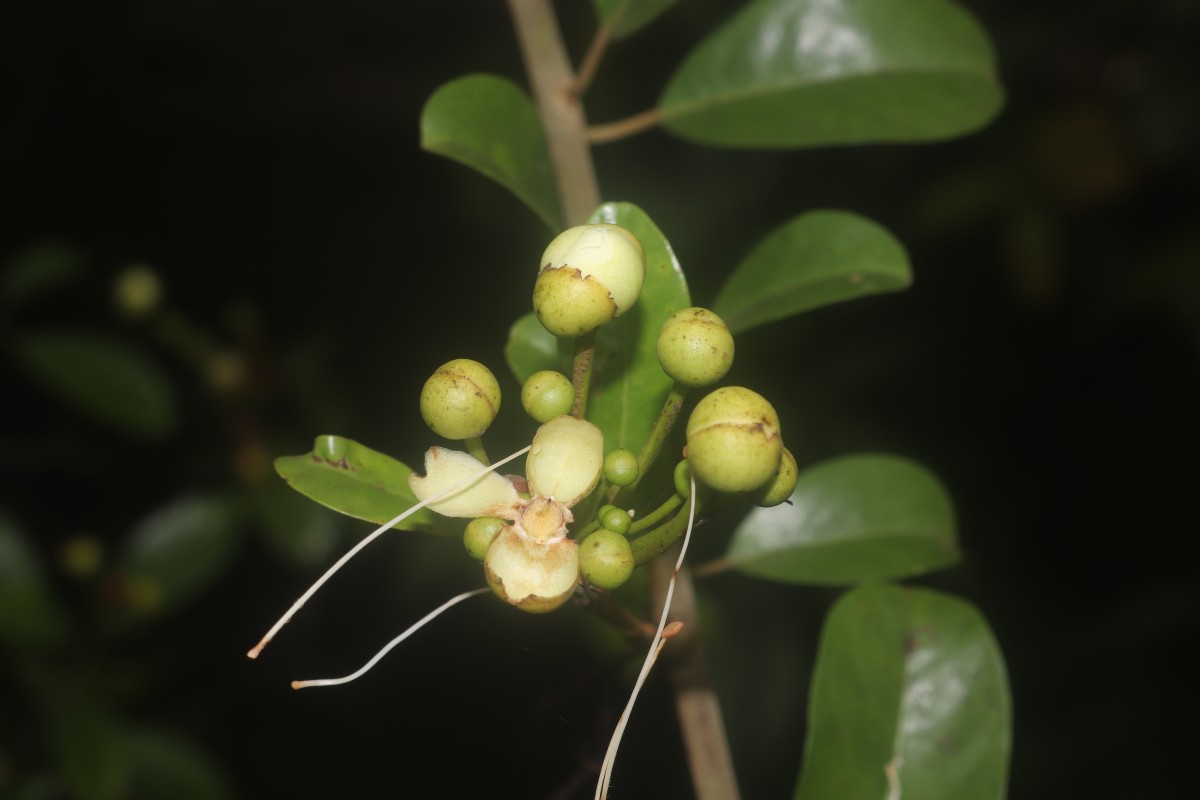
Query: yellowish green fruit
x,y
460,399
606,559
547,394
480,533
782,484
695,347
621,467
733,440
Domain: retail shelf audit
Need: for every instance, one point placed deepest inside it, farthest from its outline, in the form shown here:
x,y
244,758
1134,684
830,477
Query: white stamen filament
x,y
656,646
296,606
388,647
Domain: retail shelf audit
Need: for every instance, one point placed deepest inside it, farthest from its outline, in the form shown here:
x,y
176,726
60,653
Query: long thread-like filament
x,y
453,601
656,645
296,606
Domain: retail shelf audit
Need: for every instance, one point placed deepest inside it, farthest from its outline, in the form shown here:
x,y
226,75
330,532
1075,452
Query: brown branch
x,y
623,128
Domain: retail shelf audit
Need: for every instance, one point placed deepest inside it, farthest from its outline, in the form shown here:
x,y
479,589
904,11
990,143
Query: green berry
x,y
621,468
683,479
590,274
479,535
781,486
460,400
733,440
695,347
615,519
547,394
606,559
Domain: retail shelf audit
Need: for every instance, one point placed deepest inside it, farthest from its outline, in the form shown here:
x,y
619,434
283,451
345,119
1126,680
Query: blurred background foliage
x,y
220,238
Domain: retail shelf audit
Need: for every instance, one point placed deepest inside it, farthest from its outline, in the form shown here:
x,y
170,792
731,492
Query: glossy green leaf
x,y
105,379
909,698
531,348
164,766
628,385
38,270
629,16
851,519
175,553
30,617
489,124
355,480
813,260
802,73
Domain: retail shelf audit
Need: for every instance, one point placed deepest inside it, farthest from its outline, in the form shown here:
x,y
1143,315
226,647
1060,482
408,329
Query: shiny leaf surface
x,y
813,260
629,16
531,348
909,698
628,385
851,519
105,379
355,480
801,73
30,617
489,124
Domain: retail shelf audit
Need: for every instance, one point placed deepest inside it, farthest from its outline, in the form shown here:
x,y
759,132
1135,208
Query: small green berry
x,y
479,535
781,486
733,440
460,399
615,519
589,275
683,479
621,468
695,347
547,394
606,559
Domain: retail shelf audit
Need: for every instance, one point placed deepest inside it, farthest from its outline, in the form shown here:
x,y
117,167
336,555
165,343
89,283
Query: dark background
x,y
263,159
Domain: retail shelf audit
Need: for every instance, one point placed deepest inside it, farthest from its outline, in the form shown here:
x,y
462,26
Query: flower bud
x,y
460,399
621,468
733,440
547,394
614,519
695,347
780,487
479,535
590,274
606,559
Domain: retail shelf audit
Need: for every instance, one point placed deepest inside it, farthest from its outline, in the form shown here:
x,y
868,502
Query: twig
x,y
622,128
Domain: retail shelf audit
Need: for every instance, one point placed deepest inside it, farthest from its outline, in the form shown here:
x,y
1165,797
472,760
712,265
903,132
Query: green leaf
x,y
633,14
803,73
851,519
813,260
909,699
628,385
355,480
294,527
531,348
105,379
175,553
39,270
162,765
489,124
30,617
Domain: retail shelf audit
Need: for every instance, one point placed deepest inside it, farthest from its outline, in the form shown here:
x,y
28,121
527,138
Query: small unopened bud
x,y
589,275
606,559
460,399
547,394
733,440
695,347
781,486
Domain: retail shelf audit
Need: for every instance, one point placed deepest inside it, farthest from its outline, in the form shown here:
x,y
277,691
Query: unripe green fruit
x,y
460,400
781,486
621,468
615,519
695,347
547,394
479,535
606,559
683,479
733,440
590,274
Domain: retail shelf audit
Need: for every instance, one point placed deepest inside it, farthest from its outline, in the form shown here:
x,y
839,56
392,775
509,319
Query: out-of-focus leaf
x,y
355,480
39,270
531,348
815,259
489,124
295,527
909,699
88,745
851,519
631,15
29,614
164,766
802,73
175,553
108,380
628,385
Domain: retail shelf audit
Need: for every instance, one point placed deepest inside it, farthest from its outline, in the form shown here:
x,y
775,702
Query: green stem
x,y
656,516
656,542
475,448
658,436
581,372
